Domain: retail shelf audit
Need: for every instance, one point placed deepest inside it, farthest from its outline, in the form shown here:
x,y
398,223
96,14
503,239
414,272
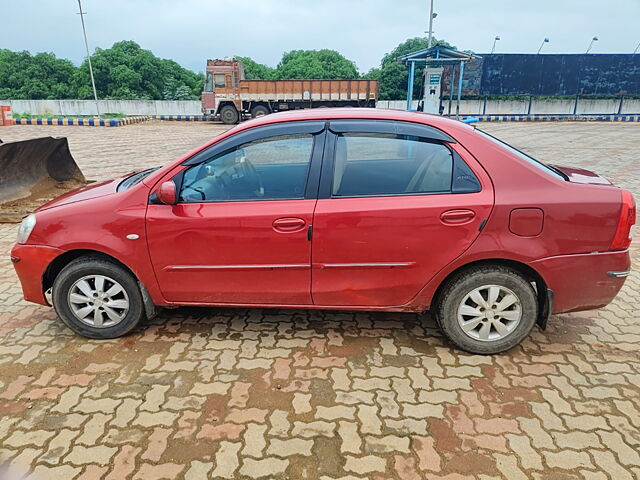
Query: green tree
x,y
315,64
127,72
256,71
41,76
393,76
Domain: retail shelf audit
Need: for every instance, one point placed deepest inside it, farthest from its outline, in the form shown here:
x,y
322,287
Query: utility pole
x,y
86,44
430,25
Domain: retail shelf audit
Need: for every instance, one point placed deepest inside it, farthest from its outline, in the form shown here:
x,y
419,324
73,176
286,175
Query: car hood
x,y
88,192
579,175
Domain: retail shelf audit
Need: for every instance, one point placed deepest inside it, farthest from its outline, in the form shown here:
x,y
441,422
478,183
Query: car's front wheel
x,y
487,309
97,298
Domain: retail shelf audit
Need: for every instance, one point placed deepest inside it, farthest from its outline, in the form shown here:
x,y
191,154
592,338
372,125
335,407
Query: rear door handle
x,y
289,224
457,217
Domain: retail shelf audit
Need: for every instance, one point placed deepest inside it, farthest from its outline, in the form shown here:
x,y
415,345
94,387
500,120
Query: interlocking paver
x,y
251,393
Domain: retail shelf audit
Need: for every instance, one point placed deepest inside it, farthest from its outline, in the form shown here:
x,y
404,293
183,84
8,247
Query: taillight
x,y
622,238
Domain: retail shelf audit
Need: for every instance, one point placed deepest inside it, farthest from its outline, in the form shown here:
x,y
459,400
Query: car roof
x,y
445,124
354,113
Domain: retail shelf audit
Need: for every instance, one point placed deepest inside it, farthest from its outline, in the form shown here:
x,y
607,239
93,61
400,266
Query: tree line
x,y
128,72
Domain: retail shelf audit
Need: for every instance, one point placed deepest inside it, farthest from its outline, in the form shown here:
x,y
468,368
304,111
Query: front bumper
x,y
584,281
30,263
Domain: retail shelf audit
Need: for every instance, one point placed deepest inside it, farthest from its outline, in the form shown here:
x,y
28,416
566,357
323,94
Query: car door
x,y
397,203
239,232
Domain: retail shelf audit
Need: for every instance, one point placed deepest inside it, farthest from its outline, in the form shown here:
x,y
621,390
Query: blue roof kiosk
x,y
434,59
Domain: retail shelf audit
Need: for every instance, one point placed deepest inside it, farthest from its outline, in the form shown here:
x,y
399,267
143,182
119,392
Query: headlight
x,y
26,227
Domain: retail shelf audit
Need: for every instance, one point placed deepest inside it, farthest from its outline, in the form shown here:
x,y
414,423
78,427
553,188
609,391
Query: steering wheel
x,y
252,176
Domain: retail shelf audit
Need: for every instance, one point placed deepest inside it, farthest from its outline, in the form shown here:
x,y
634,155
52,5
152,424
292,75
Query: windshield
x,y
134,179
532,161
208,84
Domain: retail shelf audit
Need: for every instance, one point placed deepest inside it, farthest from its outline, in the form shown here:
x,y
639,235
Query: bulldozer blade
x,y
29,163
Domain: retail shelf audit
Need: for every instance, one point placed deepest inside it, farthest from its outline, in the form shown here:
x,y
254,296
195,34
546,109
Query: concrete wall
x,y
88,107
192,107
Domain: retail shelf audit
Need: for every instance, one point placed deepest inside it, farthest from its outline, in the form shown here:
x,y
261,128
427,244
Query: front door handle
x,y
289,224
458,216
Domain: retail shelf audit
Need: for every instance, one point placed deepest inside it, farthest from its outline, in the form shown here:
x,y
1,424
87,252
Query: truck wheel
x,y
229,115
259,111
487,309
97,298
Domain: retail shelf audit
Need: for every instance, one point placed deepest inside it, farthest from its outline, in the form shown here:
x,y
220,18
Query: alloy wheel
x,y
98,301
489,313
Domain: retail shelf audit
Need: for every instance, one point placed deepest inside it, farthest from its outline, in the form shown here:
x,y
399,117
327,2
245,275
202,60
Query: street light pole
x,y
594,39
430,25
86,44
494,43
546,40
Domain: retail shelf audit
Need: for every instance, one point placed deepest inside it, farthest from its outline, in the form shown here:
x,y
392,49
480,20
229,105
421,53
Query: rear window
x,y
530,160
369,164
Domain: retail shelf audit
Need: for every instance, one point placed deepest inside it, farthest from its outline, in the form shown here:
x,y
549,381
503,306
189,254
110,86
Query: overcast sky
x,y
190,31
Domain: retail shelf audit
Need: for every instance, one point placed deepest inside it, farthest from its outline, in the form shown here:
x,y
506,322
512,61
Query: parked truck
x,y
228,96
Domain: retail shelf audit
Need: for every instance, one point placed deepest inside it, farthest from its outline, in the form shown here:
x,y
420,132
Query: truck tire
x,y
259,111
229,115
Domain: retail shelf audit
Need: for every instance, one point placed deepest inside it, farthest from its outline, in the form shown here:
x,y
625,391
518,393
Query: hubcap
x,y
489,313
98,301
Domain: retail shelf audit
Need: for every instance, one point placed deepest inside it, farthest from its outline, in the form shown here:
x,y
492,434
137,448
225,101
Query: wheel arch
x,y
543,294
263,104
55,267
260,103
224,103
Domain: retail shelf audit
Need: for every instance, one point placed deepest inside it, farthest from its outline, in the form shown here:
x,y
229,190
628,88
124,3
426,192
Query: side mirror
x,y
167,193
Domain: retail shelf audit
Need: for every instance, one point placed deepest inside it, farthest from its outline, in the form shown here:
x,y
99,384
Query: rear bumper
x,y
584,281
30,263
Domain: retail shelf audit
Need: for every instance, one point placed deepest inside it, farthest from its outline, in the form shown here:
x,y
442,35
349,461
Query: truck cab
x,y
222,88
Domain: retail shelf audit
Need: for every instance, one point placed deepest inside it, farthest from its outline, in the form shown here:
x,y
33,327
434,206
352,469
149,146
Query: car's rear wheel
x,y
97,298
488,309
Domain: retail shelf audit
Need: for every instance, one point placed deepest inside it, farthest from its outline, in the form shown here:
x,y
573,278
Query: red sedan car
x,y
353,209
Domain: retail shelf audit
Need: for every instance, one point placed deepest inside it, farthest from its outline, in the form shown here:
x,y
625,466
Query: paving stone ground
x,y
252,393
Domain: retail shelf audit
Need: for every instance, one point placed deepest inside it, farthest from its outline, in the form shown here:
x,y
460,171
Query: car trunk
x,y
579,175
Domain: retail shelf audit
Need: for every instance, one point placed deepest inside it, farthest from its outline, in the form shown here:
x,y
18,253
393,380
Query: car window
x,y
532,161
267,169
369,164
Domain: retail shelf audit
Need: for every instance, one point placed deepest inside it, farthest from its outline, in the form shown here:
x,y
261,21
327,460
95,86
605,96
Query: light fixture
x,y
546,40
494,43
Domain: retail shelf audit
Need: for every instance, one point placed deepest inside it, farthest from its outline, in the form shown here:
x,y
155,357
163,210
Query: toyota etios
x,y
354,209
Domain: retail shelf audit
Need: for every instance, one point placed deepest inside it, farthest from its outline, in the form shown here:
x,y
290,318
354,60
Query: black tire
x,y
229,115
88,266
457,290
259,111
